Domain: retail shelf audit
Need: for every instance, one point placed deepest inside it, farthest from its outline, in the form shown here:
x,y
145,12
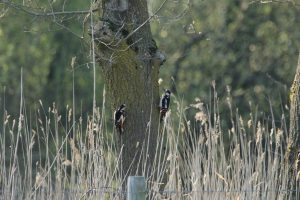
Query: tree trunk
x,y
293,139
130,64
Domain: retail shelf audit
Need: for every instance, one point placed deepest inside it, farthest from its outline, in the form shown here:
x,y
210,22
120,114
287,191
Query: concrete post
x,y
136,188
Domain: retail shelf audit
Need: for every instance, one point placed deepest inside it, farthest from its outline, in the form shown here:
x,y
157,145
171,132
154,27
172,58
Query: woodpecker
x,y
119,118
164,104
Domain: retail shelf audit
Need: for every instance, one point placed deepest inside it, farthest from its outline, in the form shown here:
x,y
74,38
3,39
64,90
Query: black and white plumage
x,y
119,118
164,104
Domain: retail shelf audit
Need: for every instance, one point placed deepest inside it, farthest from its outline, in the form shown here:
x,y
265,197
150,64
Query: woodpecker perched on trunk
x,y
164,104
119,118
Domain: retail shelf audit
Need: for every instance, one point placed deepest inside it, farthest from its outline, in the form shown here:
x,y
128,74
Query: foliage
x,y
250,47
44,47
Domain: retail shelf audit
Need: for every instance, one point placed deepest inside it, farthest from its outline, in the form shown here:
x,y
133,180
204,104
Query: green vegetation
x,y
44,47
229,66
250,47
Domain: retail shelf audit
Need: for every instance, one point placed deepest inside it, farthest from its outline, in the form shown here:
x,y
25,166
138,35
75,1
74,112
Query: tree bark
x,y
292,153
293,140
130,64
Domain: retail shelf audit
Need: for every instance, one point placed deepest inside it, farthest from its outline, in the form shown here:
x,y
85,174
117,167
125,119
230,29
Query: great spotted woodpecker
x,y
119,118
164,104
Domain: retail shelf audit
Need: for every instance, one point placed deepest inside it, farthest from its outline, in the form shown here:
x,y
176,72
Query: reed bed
x,y
45,156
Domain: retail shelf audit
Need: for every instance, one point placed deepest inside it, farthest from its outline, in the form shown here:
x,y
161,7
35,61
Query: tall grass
x,y
40,160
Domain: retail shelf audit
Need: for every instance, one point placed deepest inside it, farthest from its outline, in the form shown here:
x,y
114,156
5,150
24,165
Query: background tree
x,y
292,153
247,46
43,45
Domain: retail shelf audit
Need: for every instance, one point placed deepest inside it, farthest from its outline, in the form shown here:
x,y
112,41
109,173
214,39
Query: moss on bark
x,y
132,79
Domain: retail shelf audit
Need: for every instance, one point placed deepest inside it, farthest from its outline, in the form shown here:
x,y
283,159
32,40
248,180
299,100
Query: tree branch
x,y
194,40
145,22
44,14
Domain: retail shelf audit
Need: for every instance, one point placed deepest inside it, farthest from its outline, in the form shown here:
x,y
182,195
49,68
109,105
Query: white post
x,y
136,188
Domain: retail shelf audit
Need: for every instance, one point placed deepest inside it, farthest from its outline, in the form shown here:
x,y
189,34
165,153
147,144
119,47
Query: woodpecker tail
x,y
120,129
163,112
120,125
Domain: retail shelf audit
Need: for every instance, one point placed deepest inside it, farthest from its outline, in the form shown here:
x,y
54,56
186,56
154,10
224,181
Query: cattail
x,y
67,162
160,81
39,180
249,123
73,62
259,133
76,152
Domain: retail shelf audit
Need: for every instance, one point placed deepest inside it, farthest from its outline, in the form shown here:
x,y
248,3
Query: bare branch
x,y
145,22
4,11
45,14
176,17
194,41
52,14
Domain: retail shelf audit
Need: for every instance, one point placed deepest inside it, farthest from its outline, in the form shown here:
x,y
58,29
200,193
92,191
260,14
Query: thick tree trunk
x,y
128,57
292,152
293,140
